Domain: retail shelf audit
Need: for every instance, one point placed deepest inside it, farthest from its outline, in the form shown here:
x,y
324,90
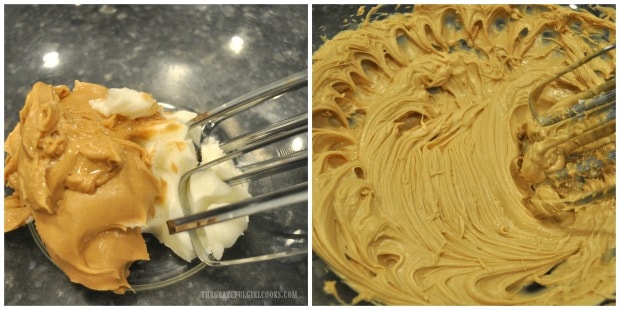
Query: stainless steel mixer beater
x,y
585,136
238,146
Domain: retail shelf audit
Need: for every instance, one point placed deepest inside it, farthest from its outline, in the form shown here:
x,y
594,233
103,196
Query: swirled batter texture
x,y
418,120
85,180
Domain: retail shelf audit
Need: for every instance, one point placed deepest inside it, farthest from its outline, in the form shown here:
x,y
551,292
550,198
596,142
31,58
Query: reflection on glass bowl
x,y
164,267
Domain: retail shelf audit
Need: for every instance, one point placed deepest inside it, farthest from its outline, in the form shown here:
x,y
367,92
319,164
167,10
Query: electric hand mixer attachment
x,y
238,146
578,154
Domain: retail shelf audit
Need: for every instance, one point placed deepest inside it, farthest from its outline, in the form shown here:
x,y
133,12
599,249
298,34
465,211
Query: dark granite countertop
x,y
181,54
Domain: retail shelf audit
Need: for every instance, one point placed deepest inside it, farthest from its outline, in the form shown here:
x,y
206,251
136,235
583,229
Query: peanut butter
x,y
84,180
419,121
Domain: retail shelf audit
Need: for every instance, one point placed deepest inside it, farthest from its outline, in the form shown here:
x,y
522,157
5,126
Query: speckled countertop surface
x,y
196,56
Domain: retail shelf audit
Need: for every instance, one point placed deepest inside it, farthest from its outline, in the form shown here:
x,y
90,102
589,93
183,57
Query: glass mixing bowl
x,y
327,21
193,57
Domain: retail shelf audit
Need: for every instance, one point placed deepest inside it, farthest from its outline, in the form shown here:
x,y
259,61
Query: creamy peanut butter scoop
x,y
418,119
85,182
97,167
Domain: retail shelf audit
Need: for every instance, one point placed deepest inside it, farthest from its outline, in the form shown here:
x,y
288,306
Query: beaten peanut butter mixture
x,y
85,180
419,125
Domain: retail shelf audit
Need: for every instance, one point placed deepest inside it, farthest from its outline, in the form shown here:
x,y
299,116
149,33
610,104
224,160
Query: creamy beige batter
x,y
85,180
418,125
